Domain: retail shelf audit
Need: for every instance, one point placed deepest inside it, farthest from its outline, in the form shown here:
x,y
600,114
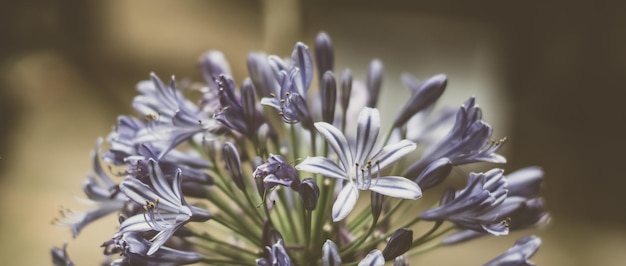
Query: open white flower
x,y
360,166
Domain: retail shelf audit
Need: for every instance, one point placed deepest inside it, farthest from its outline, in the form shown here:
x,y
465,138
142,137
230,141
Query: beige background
x,y
548,76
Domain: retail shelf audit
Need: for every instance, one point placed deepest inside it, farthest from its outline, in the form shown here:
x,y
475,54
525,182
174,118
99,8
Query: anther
x,y
272,94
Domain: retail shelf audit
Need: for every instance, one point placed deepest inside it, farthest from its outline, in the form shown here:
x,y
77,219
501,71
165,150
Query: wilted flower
x,y
247,166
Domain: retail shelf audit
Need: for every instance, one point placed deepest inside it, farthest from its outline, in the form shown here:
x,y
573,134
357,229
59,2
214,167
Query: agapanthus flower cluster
x,y
291,168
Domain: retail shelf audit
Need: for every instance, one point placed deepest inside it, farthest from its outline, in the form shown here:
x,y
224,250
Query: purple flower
x,y
277,172
519,254
359,166
467,142
137,251
171,117
165,208
102,193
481,206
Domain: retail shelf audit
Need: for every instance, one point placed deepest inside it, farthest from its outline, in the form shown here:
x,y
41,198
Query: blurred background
x,y
549,77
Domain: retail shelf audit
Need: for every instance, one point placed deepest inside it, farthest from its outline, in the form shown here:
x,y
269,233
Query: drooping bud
x,y
374,81
422,97
233,165
330,254
329,96
434,173
309,193
346,89
324,54
399,243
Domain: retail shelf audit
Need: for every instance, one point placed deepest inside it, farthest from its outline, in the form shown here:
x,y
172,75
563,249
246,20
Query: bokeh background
x,y
549,76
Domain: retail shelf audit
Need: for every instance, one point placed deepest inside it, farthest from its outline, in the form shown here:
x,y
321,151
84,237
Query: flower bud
x,y
233,164
426,95
374,81
330,254
329,96
309,193
324,54
346,88
399,243
248,102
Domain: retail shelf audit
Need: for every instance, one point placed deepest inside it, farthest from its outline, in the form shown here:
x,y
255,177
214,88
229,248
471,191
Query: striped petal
x,y
160,184
337,142
374,258
397,187
368,126
322,166
140,193
345,201
391,153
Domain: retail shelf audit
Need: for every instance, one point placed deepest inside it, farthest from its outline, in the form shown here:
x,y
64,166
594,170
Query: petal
x,y
345,202
322,166
140,193
160,184
330,254
301,58
159,239
391,153
368,126
397,187
374,258
337,142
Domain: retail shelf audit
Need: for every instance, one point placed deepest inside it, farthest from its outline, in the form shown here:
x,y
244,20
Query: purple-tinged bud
x,y
309,193
330,254
301,58
233,165
248,102
374,81
261,74
329,96
377,202
346,88
213,64
424,96
434,173
324,54
399,243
